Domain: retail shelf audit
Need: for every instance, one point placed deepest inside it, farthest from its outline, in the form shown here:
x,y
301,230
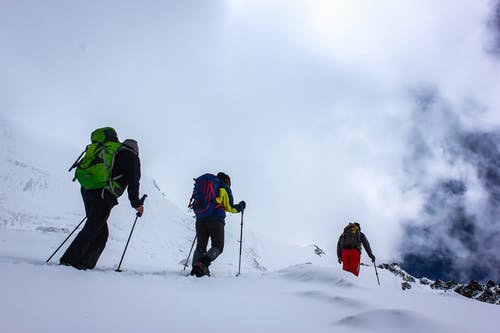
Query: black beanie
x,y
225,178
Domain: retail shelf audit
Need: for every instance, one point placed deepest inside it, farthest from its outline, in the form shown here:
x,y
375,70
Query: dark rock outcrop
x,y
489,292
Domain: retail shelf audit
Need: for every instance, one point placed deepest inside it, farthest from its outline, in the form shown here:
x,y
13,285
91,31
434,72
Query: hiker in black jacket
x,y
349,248
88,245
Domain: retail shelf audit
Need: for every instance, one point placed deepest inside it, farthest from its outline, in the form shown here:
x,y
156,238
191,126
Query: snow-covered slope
x,y
299,298
33,198
282,288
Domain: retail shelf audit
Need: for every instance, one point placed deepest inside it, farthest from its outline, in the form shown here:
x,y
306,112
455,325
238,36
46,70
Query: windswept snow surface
x,y
283,288
156,296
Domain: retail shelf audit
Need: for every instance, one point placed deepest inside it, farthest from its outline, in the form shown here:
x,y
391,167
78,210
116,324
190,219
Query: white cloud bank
x,y
308,105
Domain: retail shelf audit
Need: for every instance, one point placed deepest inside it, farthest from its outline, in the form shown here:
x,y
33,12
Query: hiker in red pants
x,y
349,248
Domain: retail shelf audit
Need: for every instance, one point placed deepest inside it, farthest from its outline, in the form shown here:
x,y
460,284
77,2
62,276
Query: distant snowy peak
x,y
489,292
20,176
34,198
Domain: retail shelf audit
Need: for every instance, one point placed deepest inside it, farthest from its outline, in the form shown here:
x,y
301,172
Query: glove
x,y
242,205
340,261
140,210
373,259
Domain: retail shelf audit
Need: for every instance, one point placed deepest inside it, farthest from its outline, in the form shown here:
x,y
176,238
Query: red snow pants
x,y
351,259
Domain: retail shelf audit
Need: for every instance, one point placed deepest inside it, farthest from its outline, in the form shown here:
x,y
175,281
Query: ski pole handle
x,y
141,202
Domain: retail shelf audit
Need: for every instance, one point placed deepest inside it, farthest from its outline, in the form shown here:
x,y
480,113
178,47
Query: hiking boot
x,y
199,269
77,266
64,262
205,260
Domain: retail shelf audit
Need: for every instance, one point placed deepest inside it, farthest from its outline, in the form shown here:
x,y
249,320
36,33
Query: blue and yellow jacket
x,y
225,202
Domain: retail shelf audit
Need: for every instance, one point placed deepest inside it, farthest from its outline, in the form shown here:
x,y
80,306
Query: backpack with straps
x,y
206,190
351,238
93,171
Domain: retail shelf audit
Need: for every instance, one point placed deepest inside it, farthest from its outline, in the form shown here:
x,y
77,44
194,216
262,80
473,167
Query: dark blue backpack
x,y
206,189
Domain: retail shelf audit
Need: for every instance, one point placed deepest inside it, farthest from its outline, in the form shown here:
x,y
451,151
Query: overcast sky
x,y
309,106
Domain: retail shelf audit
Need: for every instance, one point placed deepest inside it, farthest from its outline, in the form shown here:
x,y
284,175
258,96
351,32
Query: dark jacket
x,y
127,172
364,242
224,203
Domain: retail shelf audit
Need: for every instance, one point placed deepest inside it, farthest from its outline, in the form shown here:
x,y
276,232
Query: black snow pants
x,y
206,229
88,245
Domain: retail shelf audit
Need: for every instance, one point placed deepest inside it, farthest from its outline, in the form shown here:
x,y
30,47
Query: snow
x,y
157,295
282,288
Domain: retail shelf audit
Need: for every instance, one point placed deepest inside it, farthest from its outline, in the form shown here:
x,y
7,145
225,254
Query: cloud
x,y
457,172
309,106
494,26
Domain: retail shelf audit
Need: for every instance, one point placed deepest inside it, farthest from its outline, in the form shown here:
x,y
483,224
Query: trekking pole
x,y
376,273
74,165
141,202
66,239
241,242
189,255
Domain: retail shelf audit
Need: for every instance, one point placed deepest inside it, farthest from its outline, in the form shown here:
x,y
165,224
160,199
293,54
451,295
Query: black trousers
x,y
88,245
206,229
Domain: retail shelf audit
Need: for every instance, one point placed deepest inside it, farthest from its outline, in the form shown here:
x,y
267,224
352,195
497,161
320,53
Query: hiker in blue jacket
x,y
212,227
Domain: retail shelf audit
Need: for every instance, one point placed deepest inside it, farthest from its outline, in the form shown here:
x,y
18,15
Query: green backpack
x,y
93,171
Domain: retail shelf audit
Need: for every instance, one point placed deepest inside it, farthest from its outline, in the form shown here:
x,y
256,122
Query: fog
x,y
321,112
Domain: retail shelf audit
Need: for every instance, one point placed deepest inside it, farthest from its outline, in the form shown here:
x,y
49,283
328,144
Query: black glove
x,y
340,261
242,205
373,259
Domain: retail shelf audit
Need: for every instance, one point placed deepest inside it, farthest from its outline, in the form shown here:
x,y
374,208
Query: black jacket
x,y
127,172
364,241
